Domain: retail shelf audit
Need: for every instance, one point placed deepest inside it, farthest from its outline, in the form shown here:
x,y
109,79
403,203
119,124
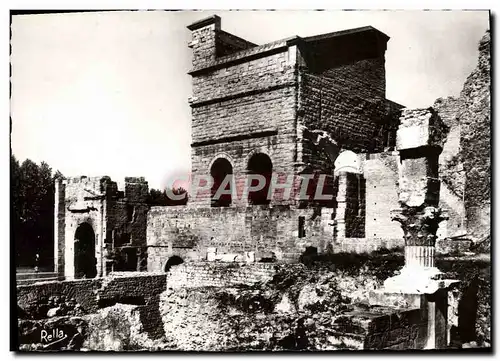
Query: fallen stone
x,y
56,311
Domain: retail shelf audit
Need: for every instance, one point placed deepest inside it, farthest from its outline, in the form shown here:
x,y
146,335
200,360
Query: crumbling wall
x,y
357,123
213,274
319,305
465,161
117,219
476,143
117,313
126,224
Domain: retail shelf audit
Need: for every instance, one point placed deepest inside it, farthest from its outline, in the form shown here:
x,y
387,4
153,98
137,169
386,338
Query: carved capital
x,y
419,224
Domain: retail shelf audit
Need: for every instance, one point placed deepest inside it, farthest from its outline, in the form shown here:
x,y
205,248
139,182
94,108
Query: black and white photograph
x,y
239,181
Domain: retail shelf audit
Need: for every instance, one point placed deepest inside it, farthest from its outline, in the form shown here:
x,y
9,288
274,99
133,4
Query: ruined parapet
x,y
136,189
129,228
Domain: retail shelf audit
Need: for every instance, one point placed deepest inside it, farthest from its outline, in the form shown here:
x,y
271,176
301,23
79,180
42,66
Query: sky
x,y
107,93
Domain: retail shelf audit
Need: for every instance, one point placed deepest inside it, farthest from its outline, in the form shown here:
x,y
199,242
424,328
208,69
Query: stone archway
x,y
85,259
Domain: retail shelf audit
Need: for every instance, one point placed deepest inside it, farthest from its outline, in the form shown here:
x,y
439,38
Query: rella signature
x,y
52,337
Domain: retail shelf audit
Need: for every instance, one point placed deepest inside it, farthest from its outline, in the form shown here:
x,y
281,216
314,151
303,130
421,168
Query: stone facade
x,y
268,232
265,99
296,107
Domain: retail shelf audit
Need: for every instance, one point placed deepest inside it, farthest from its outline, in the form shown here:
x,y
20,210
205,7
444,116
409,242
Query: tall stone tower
x,y
259,109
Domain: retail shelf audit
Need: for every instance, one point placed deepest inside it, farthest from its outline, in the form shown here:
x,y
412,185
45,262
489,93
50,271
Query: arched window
x,y
222,174
260,164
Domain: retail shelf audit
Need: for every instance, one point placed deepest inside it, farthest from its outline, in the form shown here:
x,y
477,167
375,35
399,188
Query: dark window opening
x,y
355,216
302,231
126,260
260,164
173,261
222,173
121,238
321,190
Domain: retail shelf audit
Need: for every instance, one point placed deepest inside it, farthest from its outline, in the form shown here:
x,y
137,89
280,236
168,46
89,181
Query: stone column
x,y
419,143
341,205
420,283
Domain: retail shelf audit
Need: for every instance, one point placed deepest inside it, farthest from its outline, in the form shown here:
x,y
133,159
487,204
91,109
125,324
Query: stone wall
x,y
381,174
212,274
189,232
242,103
348,101
260,123
295,310
241,307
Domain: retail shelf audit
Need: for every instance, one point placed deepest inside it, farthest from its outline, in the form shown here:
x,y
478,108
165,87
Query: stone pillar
x,y
419,142
59,226
341,205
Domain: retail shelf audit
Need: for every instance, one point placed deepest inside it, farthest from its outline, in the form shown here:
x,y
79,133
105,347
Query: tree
x,y
161,198
32,213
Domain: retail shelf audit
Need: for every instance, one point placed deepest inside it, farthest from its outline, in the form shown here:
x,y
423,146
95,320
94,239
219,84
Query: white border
x,y
187,5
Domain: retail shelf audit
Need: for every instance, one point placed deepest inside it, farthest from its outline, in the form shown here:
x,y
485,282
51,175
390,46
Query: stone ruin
x,y
301,107
289,107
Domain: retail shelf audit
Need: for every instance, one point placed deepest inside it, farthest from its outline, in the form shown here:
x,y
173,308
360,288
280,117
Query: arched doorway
x,y
221,169
173,261
261,164
85,260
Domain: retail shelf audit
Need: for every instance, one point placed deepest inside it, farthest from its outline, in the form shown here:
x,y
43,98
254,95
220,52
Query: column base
x,y
424,289
417,280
